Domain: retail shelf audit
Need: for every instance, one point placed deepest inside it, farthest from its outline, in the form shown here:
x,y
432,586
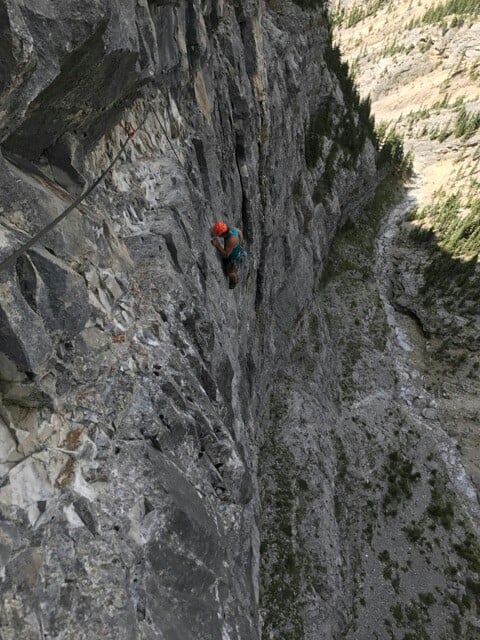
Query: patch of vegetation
x,y
289,570
437,13
464,603
397,613
351,17
416,616
450,233
393,48
391,151
390,571
348,129
310,4
302,484
468,122
469,550
440,105
419,114
440,508
401,477
414,532
427,598
278,597
474,71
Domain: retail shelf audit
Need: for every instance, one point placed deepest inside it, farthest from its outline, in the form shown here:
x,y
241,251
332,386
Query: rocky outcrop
x,y
135,385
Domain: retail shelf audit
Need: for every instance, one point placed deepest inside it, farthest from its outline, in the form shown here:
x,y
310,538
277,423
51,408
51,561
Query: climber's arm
x,y
230,245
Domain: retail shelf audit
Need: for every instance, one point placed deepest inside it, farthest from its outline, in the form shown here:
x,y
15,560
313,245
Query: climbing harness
x,y
237,252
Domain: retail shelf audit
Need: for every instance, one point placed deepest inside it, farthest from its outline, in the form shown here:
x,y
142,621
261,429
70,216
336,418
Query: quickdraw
x,y
129,129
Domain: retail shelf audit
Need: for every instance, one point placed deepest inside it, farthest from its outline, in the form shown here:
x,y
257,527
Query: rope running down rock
x,y
130,131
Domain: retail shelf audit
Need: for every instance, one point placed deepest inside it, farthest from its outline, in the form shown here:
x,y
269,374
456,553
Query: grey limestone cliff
x,y
137,391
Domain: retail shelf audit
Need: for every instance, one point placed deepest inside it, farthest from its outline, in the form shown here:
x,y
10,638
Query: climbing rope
x,y
130,133
164,130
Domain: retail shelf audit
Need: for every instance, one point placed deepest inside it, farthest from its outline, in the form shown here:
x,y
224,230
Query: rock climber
x,y
231,251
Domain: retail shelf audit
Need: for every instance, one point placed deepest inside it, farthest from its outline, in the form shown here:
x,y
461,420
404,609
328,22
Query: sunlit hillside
x,y
419,60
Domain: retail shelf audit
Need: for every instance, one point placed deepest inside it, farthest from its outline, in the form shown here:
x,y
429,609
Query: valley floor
x,y
370,527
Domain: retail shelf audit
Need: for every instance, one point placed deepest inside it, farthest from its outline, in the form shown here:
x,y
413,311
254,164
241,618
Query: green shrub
x,y
400,477
414,532
455,220
467,123
427,598
391,152
440,507
469,550
397,613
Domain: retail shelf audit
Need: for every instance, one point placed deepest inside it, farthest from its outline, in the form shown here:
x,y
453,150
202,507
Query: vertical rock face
x,y
135,386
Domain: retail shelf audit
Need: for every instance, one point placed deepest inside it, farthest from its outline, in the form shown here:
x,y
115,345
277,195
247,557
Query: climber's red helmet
x,y
219,229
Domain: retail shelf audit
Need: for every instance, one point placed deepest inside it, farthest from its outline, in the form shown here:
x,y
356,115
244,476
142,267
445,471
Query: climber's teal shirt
x,y
237,251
